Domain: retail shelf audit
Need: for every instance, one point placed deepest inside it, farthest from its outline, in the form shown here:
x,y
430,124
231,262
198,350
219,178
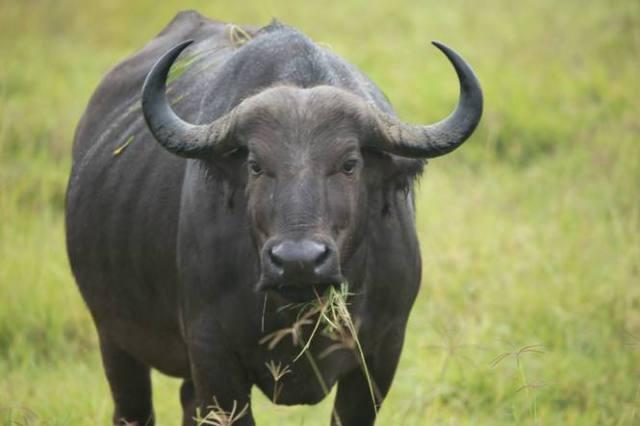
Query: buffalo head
x,y
307,174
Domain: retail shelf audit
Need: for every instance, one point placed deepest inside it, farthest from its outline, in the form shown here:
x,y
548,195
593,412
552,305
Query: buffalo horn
x,y
176,135
433,140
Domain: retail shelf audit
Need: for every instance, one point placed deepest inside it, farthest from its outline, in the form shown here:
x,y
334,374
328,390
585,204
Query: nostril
x,y
275,259
323,256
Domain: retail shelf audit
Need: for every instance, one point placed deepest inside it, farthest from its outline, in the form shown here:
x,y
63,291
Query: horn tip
x,y
178,48
181,46
440,45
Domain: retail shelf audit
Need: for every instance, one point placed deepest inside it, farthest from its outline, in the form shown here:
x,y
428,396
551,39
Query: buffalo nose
x,y
298,255
303,261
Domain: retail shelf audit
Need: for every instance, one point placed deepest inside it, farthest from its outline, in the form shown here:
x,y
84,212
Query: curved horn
x,y
173,133
428,141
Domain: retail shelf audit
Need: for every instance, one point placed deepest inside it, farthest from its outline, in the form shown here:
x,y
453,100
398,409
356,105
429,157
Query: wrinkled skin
x,y
305,176
186,264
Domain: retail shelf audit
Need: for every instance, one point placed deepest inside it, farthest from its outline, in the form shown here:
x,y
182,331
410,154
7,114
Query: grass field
x,y
530,307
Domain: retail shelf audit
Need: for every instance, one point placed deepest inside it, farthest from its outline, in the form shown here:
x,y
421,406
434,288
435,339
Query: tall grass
x,y
530,233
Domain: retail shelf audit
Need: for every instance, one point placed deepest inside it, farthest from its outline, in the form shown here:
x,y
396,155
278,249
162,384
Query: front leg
x,y
130,384
222,388
354,404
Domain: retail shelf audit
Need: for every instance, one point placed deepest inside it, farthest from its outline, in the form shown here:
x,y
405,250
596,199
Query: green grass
x,y
530,233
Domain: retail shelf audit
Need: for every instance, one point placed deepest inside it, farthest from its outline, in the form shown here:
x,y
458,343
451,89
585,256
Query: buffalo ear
x,y
230,167
391,170
387,175
409,169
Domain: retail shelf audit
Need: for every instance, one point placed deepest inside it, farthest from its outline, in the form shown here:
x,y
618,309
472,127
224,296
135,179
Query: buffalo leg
x,y
188,402
130,383
220,383
354,405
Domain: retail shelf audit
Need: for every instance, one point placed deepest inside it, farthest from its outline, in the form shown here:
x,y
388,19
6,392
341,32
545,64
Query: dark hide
x,y
167,251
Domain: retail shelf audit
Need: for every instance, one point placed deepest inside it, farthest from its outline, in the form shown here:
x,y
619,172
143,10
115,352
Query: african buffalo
x,y
195,234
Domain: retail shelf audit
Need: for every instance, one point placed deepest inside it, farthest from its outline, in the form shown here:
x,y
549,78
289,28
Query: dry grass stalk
x,y
238,36
277,372
217,416
528,387
294,331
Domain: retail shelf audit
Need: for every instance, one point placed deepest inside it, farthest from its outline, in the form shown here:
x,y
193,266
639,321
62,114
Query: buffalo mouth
x,y
302,293
302,289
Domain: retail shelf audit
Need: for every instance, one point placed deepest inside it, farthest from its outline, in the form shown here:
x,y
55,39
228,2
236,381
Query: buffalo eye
x,y
254,168
349,166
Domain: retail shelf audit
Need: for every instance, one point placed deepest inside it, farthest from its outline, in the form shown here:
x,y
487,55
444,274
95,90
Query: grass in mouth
x,y
331,313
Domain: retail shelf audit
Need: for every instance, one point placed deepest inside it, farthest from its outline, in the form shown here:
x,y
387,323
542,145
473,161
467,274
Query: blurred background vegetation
x,y
530,307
